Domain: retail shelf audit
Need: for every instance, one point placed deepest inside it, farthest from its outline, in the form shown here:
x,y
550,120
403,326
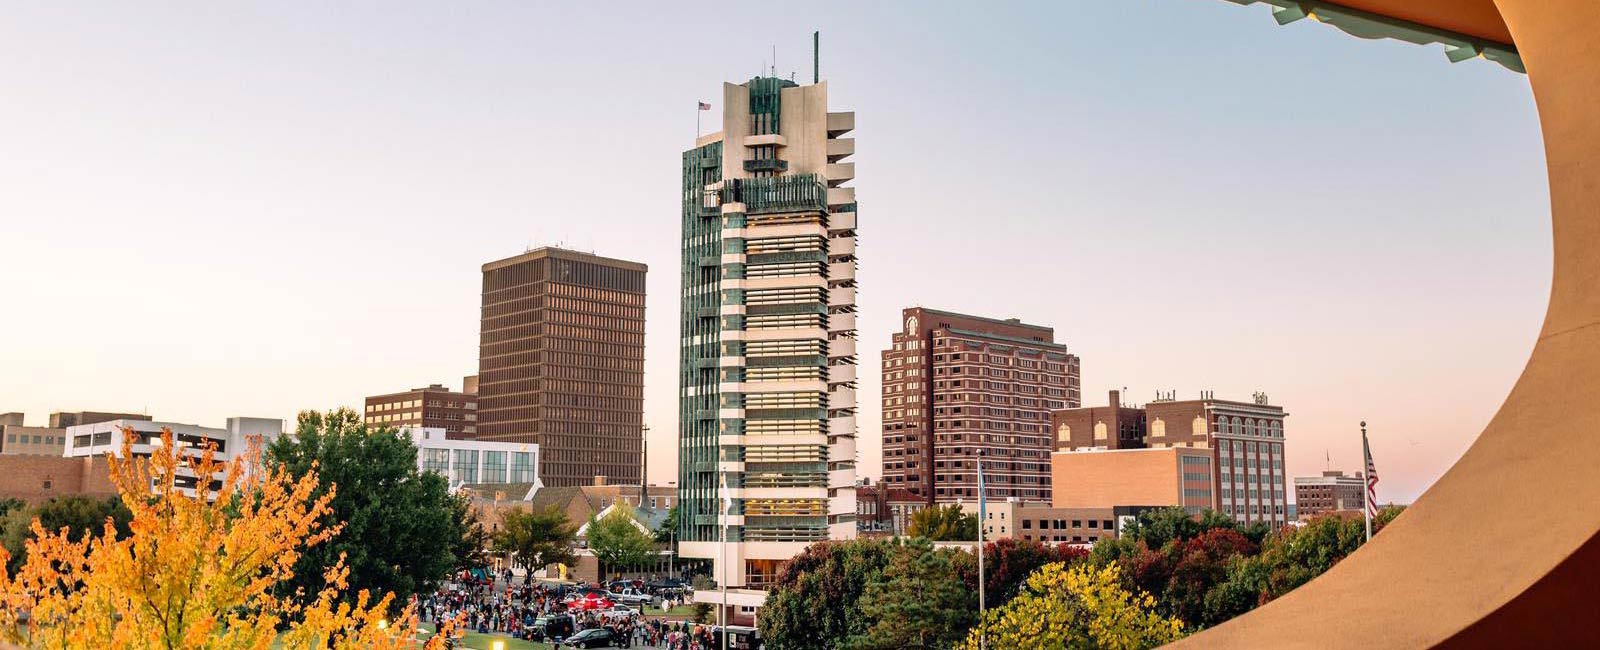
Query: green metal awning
x,y
1362,24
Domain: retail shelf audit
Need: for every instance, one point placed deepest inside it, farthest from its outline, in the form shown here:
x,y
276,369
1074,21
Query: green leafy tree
x,y
918,601
399,528
944,524
1082,607
536,539
1197,566
667,532
472,549
1007,563
618,541
80,515
1159,526
814,601
8,504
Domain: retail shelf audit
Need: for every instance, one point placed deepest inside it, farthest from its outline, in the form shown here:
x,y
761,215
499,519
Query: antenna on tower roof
x,y
816,56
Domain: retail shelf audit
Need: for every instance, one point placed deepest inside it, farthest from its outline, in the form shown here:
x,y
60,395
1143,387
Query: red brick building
x,y
432,406
1240,472
1333,491
954,384
37,478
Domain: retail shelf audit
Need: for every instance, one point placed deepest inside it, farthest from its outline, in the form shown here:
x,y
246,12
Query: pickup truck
x,y
632,596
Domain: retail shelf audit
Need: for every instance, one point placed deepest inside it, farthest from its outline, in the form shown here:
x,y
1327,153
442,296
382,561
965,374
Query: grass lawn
x,y
476,641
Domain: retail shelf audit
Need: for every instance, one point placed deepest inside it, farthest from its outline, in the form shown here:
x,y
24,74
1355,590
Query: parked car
x,y
594,637
552,626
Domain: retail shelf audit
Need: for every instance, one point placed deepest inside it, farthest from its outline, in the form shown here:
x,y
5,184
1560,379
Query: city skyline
x,y
252,332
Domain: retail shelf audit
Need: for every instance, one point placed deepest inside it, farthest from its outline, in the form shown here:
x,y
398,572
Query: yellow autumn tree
x,y
1082,607
198,569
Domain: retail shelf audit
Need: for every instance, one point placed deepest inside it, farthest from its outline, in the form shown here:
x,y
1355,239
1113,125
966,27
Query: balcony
x,y
839,148
768,165
841,123
842,196
839,173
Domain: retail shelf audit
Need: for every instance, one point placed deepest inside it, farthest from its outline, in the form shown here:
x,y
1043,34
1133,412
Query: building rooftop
x,y
565,254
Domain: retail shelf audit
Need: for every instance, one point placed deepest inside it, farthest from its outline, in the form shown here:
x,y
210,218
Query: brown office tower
x,y
432,406
956,384
561,362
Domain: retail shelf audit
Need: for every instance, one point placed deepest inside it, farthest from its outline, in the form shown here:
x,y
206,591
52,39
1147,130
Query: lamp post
x,y
982,512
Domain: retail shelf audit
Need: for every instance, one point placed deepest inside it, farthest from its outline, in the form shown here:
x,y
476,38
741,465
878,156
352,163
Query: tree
x,y
472,549
667,532
1197,567
944,524
77,514
536,540
400,526
813,604
1081,607
917,602
618,541
195,572
1158,526
1008,562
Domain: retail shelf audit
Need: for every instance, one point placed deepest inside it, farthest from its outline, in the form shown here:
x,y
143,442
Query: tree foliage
x,y
814,602
196,572
1157,527
918,601
77,514
401,527
471,550
1008,562
1078,607
536,539
944,524
617,540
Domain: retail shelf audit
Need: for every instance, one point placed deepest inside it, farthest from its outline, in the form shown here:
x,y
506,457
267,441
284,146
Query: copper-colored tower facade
x,y
561,362
955,385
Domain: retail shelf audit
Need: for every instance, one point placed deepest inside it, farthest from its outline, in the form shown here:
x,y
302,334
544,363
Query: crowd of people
x,y
491,606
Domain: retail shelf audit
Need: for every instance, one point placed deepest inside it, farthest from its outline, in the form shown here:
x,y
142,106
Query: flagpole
x,y
981,521
1366,480
722,612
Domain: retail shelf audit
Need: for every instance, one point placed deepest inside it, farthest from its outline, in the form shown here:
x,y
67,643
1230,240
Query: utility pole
x,y
982,512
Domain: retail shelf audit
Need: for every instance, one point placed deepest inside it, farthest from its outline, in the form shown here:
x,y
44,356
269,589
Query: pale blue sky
x,y
250,209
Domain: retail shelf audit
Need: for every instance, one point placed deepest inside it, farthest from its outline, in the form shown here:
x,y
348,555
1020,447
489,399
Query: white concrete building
x,y
231,441
767,434
465,462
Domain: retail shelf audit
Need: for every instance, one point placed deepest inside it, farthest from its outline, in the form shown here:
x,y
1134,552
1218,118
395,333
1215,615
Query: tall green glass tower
x,y
767,380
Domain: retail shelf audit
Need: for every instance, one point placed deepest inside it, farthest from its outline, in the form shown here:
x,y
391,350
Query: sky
x,y
222,209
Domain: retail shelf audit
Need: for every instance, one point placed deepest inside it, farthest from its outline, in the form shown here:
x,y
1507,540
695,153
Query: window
x,y
494,467
436,460
522,470
465,467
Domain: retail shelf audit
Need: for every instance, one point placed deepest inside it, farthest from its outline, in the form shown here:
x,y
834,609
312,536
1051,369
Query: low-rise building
x,y
35,479
143,436
883,511
1330,492
429,407
17,440
1205,453
64,419
475,462
1013,519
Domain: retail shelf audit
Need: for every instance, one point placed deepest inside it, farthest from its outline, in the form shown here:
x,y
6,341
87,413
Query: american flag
x,y
704,106
1372,478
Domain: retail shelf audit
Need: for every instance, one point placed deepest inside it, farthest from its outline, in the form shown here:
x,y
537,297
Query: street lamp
x,y
981,522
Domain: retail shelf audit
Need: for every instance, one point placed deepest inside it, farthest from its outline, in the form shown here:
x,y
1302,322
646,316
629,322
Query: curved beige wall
x,y
1503,550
